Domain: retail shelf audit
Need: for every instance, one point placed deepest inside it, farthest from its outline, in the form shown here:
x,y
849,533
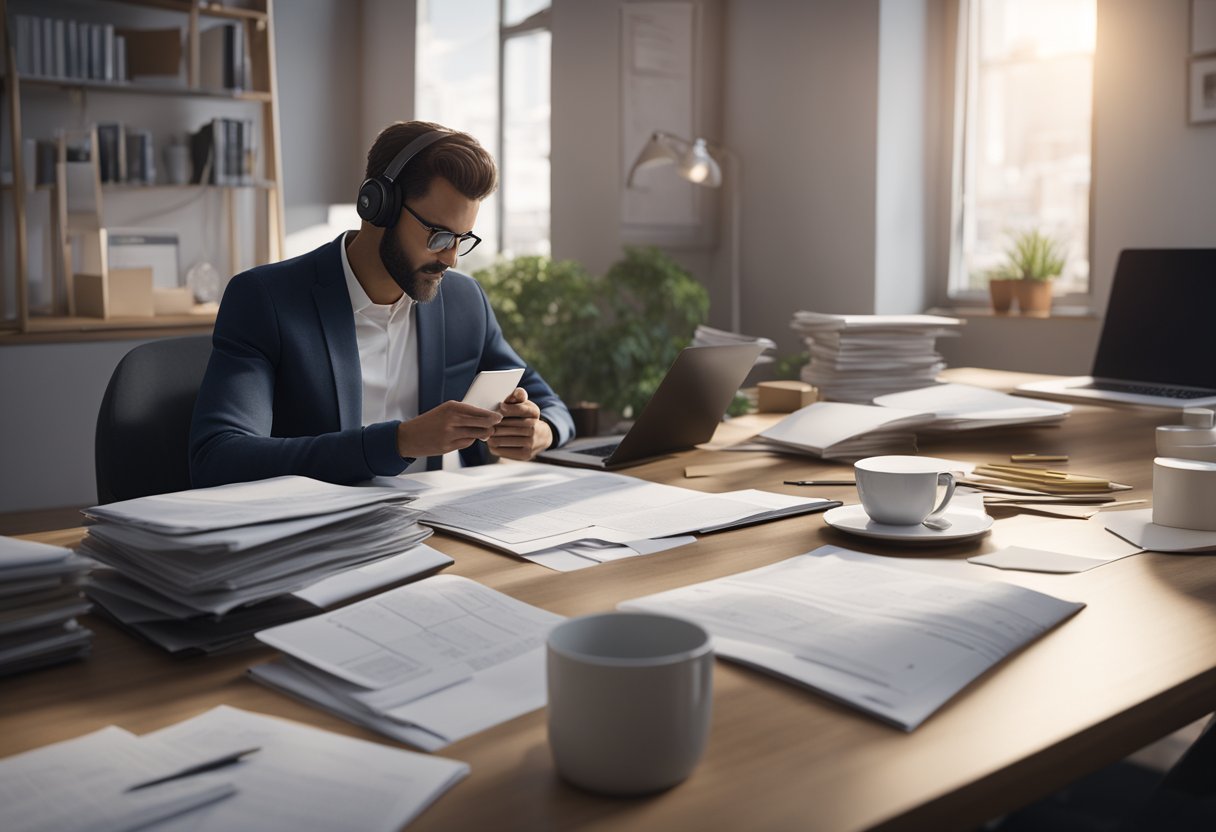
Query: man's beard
x,y
399,268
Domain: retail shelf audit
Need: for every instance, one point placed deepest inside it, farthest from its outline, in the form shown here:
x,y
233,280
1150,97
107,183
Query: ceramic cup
x,y
902,490
629,700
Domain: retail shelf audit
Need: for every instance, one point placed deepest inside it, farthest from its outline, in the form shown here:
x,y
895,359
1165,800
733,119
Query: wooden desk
x,y
1136,664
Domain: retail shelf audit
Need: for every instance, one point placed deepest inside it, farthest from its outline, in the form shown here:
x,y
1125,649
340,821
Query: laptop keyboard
x,y
600,450
1151,389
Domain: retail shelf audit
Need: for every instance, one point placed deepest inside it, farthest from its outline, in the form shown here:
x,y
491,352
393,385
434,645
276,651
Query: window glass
x,y
1027,133
517,11
525,190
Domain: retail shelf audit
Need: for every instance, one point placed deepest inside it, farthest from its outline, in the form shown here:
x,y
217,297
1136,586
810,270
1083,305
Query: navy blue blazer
x,y
283,391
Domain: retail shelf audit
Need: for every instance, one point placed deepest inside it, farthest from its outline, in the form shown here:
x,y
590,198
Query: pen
x,y
197,768
820,482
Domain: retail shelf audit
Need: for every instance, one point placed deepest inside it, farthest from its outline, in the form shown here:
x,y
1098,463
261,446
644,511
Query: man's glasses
x,y
441,239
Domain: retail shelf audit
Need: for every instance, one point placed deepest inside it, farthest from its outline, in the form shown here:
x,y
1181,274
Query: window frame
x,y
966,72
536,22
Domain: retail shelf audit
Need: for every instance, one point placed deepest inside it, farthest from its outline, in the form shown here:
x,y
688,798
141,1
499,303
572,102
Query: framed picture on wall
x,y
1203,90
1203,27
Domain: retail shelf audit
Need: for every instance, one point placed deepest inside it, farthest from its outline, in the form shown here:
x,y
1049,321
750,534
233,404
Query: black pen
x,y
198,768
821,482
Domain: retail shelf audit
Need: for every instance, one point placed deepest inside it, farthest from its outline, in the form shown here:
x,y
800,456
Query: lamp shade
x,y
693,160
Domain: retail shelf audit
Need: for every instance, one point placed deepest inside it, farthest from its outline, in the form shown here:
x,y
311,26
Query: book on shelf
x,y
68,49
223,152
223,58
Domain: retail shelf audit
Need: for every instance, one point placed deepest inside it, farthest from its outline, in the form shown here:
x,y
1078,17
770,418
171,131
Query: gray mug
x,y
630,695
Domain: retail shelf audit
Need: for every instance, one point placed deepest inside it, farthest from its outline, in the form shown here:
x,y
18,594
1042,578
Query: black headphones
x,y
380,197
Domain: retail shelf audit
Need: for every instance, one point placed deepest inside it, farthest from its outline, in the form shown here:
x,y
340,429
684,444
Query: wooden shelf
x,y
51,329
205,9
131,88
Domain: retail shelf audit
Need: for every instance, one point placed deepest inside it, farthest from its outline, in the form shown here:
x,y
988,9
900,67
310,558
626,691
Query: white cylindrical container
x,y
1184,493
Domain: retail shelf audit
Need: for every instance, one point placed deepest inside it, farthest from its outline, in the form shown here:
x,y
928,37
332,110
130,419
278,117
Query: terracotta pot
x,y
1002,292
1034,297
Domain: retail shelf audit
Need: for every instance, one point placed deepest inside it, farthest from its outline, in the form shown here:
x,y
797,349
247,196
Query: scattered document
x,y
527,508
893,642
428,663
1137,527
839,430
81,784
964,407
1025,559
39,600
706,336
586,553
303,778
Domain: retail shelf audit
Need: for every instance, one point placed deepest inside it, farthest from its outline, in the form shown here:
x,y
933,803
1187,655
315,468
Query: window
x,y
483,67
1026,115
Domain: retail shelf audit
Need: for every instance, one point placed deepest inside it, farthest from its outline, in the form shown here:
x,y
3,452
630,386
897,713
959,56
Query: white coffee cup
x,y
902,490
629,700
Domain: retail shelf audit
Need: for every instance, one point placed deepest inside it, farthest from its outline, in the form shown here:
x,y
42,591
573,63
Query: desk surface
x,y
1136,664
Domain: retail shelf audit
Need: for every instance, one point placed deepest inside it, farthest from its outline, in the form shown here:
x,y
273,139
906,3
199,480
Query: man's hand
x,y
521,434
451,426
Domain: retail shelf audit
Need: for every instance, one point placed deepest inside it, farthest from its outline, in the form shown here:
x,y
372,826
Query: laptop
x,y
1158,343
684,411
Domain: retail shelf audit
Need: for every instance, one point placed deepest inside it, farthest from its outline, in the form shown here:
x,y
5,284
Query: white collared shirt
x,y
388,355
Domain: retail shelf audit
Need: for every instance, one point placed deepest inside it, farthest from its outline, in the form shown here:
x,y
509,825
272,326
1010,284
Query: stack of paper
x,y
836,430
204,569
705,336
541,511
867,631
427,664
39,601
291,777
857,357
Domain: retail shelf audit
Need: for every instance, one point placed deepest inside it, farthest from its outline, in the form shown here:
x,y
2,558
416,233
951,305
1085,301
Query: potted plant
x,y
1002,288
603,343
1035,259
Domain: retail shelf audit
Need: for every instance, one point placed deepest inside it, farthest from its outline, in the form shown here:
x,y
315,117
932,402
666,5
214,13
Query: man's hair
x,y
458,158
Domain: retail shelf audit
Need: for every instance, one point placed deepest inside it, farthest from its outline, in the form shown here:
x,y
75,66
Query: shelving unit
x,y
256,19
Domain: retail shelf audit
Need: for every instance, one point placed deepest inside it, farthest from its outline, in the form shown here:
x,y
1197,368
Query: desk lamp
x,y
698,162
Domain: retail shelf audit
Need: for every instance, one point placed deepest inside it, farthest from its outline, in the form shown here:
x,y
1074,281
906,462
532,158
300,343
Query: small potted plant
x,y
1002,287
1035,259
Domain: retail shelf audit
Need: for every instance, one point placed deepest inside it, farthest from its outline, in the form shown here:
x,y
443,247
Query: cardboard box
x,y
784,396
177,301
126,294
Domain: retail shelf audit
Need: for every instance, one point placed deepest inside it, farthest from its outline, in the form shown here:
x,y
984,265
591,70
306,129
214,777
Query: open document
x,y
527,508
302,778
885,639
428,663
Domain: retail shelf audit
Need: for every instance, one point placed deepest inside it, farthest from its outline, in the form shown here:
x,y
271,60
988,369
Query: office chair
x,y
143,426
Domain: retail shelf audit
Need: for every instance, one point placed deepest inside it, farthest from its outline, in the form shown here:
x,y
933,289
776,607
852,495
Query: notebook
x,y
1158,343
684,410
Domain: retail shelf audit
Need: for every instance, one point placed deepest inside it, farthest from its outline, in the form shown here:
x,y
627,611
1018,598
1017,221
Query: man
x,y
350,361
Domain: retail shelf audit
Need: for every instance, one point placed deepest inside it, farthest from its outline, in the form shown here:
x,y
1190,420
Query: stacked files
x,y
707,336
427,664
547,513
265,773
205,569
39,601
1021,481
857,357
870,632
844,431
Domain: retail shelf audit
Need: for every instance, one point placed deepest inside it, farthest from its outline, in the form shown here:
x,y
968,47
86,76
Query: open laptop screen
x,y
1161,319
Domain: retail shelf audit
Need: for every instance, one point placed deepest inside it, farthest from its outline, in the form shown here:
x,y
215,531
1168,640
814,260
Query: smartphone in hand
x,y
490,387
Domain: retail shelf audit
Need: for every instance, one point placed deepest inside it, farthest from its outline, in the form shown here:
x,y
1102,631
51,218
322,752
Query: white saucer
x,y
963,524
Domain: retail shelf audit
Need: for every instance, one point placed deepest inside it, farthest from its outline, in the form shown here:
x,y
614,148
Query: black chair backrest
x,y
142,444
